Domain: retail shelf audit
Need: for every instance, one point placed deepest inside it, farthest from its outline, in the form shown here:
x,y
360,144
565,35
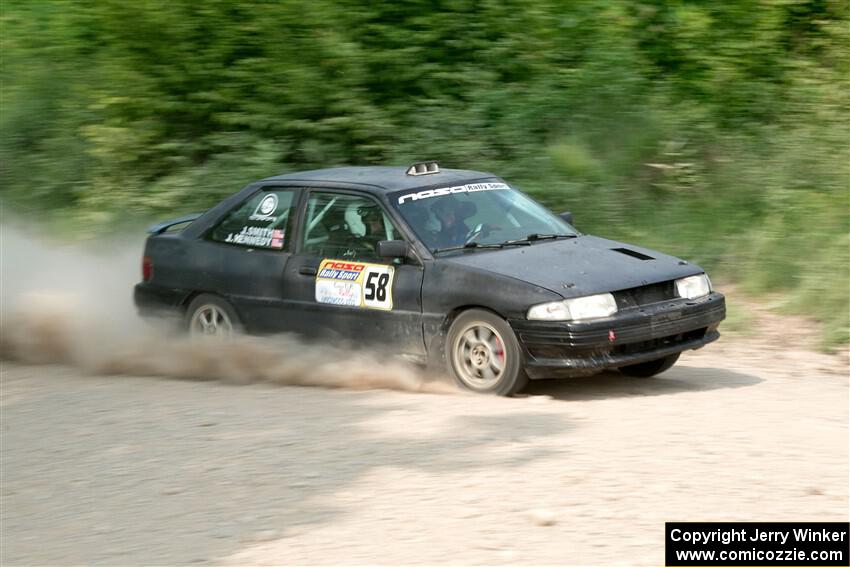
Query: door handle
x,y
307,271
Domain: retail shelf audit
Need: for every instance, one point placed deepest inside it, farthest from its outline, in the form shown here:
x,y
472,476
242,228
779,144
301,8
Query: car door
x,y
339,287
243,257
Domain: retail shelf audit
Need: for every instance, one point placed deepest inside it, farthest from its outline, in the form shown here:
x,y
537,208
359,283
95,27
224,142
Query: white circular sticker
x,y
268,204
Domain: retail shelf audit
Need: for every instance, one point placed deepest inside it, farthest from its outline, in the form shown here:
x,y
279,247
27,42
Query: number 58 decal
x,y
378,287
355,284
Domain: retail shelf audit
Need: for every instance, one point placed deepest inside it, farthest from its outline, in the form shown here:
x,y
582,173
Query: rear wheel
x,y
483,354
651,368
211,316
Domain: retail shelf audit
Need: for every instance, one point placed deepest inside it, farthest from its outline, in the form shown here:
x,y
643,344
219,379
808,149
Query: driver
x,y
453,230
373,220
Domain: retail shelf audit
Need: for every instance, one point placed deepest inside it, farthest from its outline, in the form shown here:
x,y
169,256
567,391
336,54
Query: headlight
x,y
575,309
693,286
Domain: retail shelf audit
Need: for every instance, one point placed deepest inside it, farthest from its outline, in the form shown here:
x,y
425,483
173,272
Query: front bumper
x,y
631,336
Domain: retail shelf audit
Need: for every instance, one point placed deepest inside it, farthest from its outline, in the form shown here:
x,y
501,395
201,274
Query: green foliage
x,y
716,131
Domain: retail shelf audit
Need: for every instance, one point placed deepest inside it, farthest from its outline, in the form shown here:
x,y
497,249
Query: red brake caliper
x,y
501,352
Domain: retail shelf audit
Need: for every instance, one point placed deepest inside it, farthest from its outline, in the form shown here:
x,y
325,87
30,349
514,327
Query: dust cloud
x,y
72,304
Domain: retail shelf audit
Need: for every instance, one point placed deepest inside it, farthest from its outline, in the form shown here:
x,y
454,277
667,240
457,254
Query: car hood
x,y
579,266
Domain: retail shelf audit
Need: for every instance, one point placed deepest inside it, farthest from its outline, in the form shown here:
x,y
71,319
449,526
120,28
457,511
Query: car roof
x,y
386,178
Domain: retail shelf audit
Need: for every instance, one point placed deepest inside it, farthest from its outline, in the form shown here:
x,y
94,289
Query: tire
x,y
211,316
483,354
651,368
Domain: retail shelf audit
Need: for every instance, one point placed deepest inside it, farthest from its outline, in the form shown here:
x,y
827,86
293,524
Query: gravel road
x,y
117,470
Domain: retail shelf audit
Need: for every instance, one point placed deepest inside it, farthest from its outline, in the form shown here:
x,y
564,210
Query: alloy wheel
x,y
210,321
479,356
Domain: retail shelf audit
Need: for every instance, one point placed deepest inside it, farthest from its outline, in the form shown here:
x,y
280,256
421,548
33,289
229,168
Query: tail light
x,y
147,268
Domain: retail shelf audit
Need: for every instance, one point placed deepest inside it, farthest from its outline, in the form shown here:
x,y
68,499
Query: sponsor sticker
x,y
338,292
439,192
355,284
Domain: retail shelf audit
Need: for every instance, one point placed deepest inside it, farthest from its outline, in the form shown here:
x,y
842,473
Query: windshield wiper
x,y
467,246
534,237
525,241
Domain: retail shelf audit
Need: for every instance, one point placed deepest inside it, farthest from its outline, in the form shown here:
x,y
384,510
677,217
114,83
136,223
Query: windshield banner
x,y
469,188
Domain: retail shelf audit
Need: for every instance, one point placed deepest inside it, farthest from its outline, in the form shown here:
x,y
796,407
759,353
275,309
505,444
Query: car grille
x,y
552,351
661,342
645,294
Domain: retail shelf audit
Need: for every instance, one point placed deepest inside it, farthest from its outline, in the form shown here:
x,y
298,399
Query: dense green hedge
x,y
713,130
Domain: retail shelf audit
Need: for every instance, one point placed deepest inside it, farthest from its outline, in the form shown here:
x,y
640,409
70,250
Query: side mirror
x,y
393,248
567,216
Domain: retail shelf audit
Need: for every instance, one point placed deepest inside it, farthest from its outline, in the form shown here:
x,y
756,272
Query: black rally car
x,y
450,267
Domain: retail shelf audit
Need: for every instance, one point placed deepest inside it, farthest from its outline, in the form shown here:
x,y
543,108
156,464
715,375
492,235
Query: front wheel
x,y
651,368
483,354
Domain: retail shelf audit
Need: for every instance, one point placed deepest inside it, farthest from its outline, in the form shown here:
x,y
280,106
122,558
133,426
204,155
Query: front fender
x,y
450,288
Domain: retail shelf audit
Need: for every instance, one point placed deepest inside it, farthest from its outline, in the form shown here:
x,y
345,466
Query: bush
x,y
716,131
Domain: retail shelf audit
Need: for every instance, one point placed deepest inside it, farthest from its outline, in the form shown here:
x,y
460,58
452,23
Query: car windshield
x,y
477,215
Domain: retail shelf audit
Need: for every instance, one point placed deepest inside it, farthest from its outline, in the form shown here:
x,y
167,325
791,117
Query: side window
x,y
263,221
345,226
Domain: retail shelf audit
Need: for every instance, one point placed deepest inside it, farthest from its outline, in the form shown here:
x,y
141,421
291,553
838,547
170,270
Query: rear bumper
x,y
631,336
153,300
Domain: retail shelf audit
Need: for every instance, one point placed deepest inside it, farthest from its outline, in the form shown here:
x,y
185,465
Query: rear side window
x,y
346,226
263,221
